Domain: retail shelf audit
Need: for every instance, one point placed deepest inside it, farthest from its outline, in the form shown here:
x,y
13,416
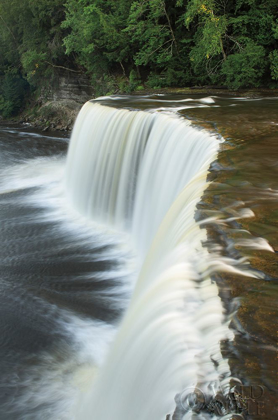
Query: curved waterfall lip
x,y
110,302
144,173
157,102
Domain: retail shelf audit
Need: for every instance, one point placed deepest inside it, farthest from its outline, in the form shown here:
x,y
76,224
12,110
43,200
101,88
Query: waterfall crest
x,y
144,173
126,168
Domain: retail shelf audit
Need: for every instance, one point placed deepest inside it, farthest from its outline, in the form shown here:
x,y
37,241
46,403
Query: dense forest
x,y
126,45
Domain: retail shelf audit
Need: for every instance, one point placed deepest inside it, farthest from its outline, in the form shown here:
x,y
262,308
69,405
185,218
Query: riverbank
x,y
60,114
51,116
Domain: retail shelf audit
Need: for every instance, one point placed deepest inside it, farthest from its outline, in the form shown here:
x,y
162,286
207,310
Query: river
x,y
70,267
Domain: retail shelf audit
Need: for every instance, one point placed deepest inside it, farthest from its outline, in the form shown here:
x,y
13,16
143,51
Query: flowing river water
x,y
140,270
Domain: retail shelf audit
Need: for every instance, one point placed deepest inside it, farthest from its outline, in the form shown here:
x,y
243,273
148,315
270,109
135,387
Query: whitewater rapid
x,y
144,174
111,307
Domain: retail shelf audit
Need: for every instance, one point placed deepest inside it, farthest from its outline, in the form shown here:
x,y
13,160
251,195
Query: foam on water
x,y
45,385
128,192
143,174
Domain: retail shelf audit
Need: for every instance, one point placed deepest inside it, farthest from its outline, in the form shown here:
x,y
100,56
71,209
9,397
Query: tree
x,y
96,34
159,43
233,42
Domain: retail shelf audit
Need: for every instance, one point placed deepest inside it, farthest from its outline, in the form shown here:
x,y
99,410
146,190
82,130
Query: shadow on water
x,y
50,279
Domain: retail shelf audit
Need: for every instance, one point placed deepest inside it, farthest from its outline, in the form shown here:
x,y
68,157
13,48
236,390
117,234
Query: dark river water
x,y
55,279
65,284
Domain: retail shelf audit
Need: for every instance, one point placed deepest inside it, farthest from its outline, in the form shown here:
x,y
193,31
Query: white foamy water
x,y
144,173
127,193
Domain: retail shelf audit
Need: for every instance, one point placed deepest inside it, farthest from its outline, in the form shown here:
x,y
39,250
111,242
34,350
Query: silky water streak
x,y
144,173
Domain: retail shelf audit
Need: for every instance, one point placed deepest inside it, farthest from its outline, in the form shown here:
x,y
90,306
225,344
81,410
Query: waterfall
x,y
144,173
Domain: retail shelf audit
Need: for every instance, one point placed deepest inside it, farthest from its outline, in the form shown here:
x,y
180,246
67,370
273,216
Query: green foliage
x,y
12,94
125,44
149,27
232,41
30,34
209,40
275,29
156,81
245,68
96,33
34,65
208,53
274,64
106,84
134,80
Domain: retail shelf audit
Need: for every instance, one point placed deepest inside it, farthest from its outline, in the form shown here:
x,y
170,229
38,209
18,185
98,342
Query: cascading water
x,y
115,223
144,173
127,168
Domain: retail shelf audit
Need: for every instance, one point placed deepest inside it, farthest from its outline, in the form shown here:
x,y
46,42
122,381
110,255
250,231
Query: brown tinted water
x,y
247,176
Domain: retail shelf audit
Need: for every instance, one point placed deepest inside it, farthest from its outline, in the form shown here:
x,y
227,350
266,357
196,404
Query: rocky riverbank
x,y
58,104
60,112
53,115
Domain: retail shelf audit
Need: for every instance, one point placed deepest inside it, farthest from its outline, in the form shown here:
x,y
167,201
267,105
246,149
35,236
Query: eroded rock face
x,y
66,85
57,114
60,101
73,86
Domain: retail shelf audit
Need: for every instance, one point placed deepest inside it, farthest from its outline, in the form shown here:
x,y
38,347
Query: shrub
x,y
245,68
13,91
274,64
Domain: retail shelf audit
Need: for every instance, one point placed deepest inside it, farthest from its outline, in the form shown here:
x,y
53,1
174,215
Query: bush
x,y
134,80
274,64
13,91
156,81
245,68
33,65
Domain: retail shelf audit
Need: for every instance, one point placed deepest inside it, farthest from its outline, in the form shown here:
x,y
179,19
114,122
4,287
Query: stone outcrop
x,y
71,86
60,100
